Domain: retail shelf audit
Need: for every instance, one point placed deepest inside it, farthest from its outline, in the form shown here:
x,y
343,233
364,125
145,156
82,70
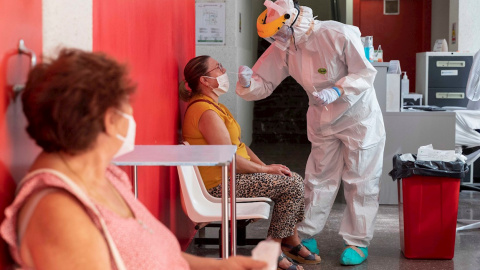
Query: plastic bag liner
x,y
404,169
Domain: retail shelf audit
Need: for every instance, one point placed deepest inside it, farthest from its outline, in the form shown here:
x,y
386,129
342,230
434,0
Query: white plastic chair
x,y
202,208
218,200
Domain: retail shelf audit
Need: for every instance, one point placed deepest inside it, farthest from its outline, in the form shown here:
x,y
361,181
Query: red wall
x,y
155,38
19,19
401,36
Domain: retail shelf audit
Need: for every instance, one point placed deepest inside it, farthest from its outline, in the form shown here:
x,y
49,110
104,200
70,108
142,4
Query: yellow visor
x,y
266,30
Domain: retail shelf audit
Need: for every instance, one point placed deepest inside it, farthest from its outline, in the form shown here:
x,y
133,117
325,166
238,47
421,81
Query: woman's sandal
x,y
291,267
294,253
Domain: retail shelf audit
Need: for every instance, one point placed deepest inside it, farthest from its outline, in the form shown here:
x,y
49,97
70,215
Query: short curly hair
x,y
65,99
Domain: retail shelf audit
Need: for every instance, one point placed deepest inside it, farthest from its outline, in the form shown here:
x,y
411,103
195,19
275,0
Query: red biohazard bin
x,y
428,207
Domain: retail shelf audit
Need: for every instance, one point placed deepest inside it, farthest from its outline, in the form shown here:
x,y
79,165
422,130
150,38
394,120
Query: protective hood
x,y
303,27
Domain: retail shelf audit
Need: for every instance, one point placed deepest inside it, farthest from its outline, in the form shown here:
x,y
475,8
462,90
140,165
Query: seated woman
x,y
74,209
209,122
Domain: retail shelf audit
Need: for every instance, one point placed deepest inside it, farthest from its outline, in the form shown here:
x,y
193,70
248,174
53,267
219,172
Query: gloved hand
x,y
244,76
326,96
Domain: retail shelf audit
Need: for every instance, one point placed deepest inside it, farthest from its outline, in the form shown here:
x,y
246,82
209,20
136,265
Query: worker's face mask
x,y
223,84
129,140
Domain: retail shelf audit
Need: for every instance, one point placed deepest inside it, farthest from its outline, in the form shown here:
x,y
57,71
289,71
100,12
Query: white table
x,y
192,155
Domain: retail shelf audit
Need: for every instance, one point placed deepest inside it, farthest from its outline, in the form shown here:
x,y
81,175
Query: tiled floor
x,y
384,251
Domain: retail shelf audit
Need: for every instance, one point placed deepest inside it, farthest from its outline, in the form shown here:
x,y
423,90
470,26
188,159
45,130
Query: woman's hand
x,y
277,169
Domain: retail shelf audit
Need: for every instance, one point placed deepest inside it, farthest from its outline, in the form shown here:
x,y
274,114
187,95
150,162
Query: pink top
x,y
143,241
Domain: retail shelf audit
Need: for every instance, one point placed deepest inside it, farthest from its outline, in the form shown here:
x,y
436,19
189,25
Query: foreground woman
x,y
74,210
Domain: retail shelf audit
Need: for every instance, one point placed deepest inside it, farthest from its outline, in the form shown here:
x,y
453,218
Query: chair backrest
x,y
198,208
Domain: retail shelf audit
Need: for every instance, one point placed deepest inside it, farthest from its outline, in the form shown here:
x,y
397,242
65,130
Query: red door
x,y
402,35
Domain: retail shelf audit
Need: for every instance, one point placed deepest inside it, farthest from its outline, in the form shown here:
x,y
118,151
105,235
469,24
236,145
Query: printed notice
x,y
210,23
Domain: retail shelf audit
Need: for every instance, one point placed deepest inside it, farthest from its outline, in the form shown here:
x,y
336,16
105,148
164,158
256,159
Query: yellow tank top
x,y
212,176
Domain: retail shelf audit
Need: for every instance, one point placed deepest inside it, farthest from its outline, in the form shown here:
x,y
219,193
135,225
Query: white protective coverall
x,y
473,84
347,136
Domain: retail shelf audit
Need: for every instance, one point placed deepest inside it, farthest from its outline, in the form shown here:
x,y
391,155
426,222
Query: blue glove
x,y
244,76
326,96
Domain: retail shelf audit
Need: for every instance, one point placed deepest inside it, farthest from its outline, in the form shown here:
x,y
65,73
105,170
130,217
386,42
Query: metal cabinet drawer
x,y
447,97
448,72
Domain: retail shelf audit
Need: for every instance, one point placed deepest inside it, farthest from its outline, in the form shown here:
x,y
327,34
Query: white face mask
x,y
128,141
223,84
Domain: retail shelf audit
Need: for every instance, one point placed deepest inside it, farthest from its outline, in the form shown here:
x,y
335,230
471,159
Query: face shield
x,y
275,24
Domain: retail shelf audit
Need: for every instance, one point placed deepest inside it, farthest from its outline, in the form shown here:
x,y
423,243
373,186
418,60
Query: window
x,y
391,7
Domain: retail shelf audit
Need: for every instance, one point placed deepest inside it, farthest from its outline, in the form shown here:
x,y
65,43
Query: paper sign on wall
x,y
210,23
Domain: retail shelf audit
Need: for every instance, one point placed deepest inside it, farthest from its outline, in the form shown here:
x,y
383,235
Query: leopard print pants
x,y
286,192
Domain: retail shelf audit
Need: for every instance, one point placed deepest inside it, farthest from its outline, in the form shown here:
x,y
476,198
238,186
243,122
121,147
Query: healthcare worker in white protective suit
x,y
344,121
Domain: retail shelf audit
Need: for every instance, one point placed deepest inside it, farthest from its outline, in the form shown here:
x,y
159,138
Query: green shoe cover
x,y
351,257
311,244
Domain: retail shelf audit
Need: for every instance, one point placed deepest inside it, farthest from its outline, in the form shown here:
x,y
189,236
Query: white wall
x,y
453,18
468,25
440,20
466,15
246,55
67,24
347,12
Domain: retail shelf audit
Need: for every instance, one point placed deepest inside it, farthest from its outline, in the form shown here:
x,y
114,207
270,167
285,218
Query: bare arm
x,y
215,132
232,263
60,234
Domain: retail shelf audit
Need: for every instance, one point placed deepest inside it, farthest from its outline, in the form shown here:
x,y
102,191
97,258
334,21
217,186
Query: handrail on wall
x,y
22,49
